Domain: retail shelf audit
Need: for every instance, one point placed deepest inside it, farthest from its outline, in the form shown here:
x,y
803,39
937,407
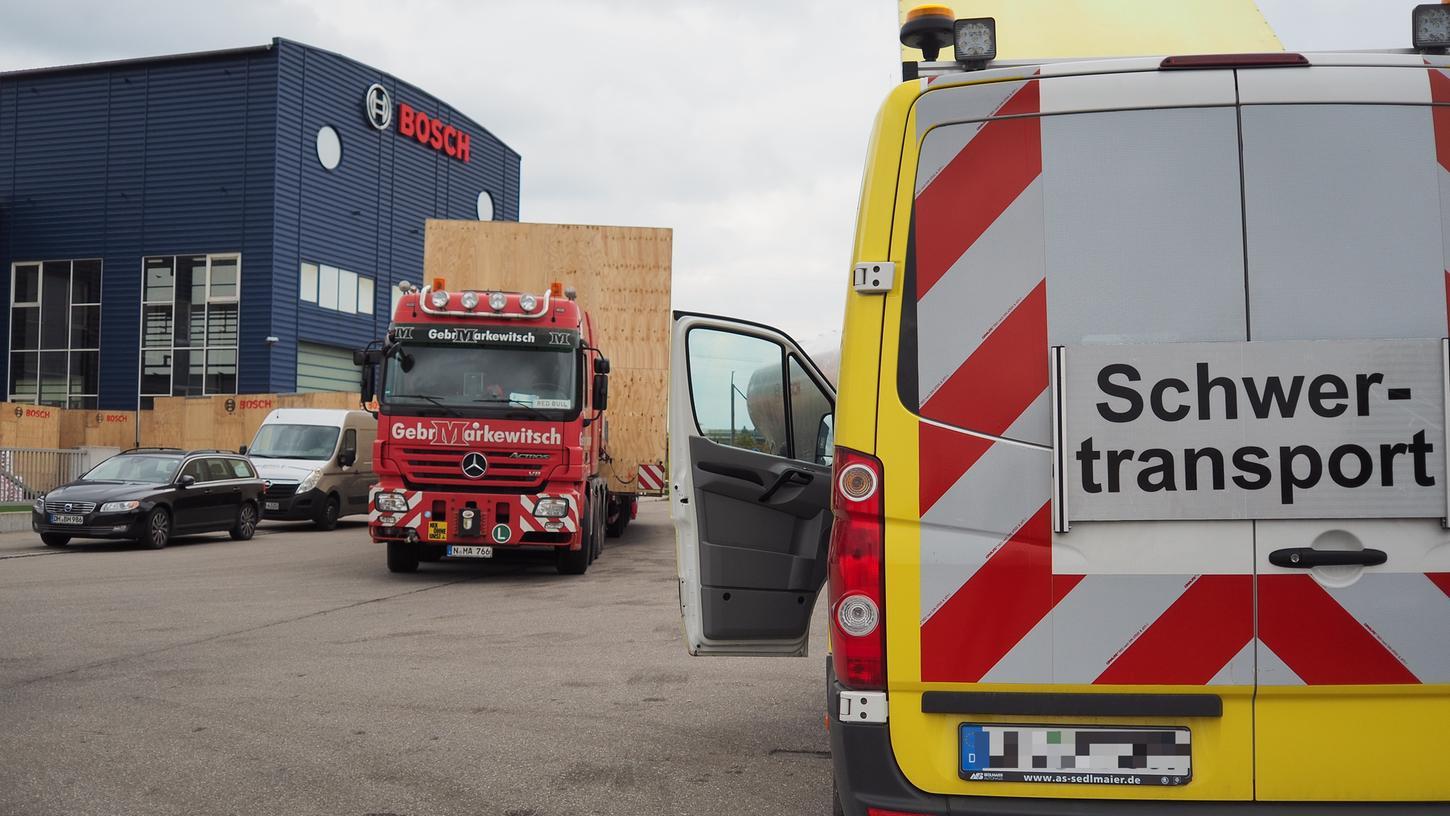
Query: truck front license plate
x,y
463,551
1075,756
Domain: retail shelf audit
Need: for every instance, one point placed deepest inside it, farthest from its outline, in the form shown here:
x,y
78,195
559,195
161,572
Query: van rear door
x,y
1346,194
1070,212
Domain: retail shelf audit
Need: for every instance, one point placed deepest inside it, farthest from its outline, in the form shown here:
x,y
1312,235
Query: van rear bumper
x,y
867,776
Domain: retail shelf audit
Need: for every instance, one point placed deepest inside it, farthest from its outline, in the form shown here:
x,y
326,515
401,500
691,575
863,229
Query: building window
x,y
189,325
55,332
336,289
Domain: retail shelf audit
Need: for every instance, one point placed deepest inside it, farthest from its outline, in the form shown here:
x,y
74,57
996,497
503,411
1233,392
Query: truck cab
x,y
491,410
1138,492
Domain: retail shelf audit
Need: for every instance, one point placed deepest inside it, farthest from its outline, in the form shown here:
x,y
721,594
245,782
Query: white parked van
x,y
318,463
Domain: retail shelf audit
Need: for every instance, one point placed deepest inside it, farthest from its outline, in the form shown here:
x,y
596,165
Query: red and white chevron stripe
x,y
651,477
529,524
412,518
1001,601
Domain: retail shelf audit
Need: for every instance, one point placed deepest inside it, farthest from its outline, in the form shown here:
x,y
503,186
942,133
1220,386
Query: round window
x,y
485,206
329,147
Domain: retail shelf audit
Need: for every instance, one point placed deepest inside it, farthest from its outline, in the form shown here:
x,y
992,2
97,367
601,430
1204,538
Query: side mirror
x,y
242,450
601,365
601,392
826,440
347,458
186,480
369,384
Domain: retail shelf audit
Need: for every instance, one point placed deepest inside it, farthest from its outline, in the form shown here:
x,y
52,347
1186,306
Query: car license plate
x,y
469,551
1075,756
273,505
66,518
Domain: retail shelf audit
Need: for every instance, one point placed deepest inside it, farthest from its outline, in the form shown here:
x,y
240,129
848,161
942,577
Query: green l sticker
x,y
501,533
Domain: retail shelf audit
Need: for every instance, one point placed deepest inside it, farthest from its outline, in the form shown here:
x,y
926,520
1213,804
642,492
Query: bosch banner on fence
x,y
1257,430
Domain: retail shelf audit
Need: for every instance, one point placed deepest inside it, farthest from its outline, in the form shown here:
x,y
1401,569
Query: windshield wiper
x,y
535,412
450,409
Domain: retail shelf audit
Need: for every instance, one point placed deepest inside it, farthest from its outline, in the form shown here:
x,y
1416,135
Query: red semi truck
x,y
491,428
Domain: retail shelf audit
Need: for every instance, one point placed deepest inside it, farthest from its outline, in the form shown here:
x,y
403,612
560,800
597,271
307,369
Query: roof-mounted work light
x,y
469,300
497,301
1430,26
976,40
928,28
438,298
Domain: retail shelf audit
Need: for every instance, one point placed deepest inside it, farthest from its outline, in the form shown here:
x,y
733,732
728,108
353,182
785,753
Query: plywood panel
x,y
98,429
29,426
622,276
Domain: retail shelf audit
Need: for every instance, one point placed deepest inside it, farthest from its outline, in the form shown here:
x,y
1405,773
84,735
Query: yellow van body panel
x,y
1403,759
1047,29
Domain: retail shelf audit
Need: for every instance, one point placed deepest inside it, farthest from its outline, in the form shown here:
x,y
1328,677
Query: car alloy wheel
x,y
158,531
246,522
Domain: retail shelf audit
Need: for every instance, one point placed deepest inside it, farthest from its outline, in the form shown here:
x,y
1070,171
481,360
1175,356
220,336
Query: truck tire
x,y
430,554
576,562
402,556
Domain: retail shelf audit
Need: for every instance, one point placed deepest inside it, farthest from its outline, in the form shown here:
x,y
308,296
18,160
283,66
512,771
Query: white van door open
x,y
751,445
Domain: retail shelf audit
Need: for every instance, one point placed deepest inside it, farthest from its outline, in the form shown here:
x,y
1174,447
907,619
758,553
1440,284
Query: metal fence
x,y
26,473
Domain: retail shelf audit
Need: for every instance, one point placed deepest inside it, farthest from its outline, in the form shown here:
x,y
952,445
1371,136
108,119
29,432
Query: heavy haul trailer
x,y
1138,496
521,405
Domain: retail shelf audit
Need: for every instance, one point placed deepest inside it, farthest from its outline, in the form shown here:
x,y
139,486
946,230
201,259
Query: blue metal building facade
x,y
217,154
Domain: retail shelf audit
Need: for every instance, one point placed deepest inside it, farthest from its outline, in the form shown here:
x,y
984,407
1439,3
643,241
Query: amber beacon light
x,y
928,28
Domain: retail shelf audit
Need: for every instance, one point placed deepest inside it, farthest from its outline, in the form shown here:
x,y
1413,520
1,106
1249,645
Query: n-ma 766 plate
x,y
1075,755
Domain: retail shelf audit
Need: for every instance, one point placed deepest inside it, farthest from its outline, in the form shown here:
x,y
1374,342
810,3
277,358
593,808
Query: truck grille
x,y
75,507
444,466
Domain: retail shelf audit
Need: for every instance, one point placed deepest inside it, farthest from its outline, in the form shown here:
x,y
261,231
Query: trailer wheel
x,y
402,556
618,517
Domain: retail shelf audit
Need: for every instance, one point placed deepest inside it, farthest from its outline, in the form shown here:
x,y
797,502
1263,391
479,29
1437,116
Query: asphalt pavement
x,y
293,674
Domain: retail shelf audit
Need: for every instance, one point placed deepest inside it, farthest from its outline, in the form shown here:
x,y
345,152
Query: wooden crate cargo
x,y
622,277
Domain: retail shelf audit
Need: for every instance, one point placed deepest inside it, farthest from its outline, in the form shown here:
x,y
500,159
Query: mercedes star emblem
x,y
474,465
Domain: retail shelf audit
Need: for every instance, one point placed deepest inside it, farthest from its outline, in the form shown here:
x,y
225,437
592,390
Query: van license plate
x,y
273,505
462,551
66,518
1075,756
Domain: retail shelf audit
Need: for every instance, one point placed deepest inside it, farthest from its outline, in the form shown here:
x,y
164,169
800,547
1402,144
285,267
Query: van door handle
x,y
1308,557
732,471
786,477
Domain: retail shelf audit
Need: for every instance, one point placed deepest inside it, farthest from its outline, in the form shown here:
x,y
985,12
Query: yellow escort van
x,y
1134,494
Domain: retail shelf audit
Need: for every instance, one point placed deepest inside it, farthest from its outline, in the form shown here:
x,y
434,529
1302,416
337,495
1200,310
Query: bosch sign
x,y
431,132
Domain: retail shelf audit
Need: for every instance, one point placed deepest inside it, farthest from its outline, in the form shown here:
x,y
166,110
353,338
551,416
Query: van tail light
x,y
856,578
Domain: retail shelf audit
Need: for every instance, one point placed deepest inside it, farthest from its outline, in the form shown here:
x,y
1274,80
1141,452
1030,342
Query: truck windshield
x,y
460,378
294,442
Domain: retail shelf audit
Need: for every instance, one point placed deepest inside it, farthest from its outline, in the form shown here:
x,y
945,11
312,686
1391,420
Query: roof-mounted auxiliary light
x,y
976,41
497,301
438,298
469,300
528,302
1430,27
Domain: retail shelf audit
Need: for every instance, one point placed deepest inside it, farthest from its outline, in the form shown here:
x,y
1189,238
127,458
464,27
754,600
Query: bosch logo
x,y
474,465
378,104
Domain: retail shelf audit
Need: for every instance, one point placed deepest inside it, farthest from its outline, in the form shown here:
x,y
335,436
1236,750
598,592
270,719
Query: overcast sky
x,y
741,124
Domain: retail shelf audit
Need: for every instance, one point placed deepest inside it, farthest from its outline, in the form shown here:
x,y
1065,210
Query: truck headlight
x,y
119,507
551,508
309,481
391,503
